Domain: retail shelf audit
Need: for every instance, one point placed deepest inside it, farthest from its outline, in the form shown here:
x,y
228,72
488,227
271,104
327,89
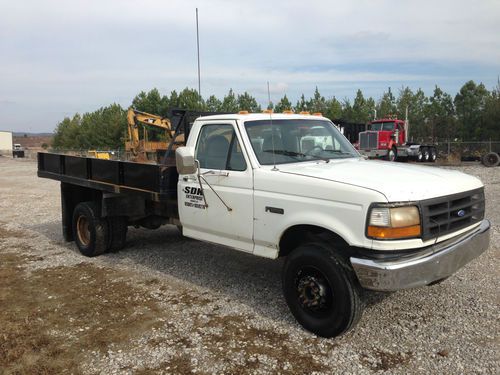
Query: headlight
x,y
390,223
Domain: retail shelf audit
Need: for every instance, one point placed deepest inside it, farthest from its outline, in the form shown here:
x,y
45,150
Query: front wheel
x,y
393,154
321,291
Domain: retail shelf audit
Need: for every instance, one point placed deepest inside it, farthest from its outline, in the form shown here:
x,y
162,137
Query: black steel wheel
x,y
90,231
117,233
321,291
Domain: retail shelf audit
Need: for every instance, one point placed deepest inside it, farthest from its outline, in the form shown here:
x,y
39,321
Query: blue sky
x,y
61,57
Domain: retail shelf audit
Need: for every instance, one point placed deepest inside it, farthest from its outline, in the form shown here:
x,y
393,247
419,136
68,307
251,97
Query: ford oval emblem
x,y
461,213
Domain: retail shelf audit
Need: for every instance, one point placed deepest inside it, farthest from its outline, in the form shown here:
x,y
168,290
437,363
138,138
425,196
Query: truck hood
x,y
397,181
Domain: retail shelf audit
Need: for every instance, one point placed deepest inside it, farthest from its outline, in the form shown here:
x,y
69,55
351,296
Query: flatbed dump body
x,y
152,181
143,193
156,182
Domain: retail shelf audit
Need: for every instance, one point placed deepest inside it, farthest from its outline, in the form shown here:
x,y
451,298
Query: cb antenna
x,y
272,129
198,48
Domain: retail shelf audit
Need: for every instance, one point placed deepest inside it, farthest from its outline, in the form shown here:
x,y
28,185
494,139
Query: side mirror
x,y
185,161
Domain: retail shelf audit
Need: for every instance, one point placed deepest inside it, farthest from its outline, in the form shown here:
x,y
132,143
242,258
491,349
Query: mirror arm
x,y
201,177
198,175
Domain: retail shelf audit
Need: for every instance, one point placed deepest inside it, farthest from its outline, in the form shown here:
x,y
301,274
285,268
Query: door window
x,y
218,148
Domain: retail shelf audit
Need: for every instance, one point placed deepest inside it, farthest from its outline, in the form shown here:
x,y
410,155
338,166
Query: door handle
x,y
217,174
188,178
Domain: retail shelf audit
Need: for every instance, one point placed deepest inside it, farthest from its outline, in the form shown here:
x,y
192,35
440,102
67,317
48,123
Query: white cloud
x,y
68,55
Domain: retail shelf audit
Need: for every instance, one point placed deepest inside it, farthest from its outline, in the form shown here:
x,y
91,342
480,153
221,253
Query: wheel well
x,y
71,195
299,234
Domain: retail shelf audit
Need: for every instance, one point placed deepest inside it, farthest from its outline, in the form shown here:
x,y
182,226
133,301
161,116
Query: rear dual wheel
x,y
432,154
95,235
427,154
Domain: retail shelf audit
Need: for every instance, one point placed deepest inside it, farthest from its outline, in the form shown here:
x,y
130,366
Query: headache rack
x,y
444,215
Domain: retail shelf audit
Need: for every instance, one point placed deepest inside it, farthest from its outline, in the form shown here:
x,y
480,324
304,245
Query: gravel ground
x,y
213,310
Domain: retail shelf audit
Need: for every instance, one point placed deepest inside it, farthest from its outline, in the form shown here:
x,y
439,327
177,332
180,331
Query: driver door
x,y
218,206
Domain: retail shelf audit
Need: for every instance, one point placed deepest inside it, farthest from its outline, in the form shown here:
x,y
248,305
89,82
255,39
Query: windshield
x,y
291,141
382,126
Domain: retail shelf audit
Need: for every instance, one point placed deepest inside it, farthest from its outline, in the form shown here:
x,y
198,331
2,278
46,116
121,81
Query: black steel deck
x,y
153,181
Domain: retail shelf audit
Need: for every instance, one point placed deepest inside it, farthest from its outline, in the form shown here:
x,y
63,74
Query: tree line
x,y
472,115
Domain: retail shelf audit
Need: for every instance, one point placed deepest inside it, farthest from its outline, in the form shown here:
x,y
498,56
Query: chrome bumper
x,y
374,153
420,270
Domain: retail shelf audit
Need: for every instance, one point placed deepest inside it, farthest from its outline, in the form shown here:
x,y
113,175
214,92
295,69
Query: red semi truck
x,y
388,138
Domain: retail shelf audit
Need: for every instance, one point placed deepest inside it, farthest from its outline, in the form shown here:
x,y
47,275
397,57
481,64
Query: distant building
x,y
5,143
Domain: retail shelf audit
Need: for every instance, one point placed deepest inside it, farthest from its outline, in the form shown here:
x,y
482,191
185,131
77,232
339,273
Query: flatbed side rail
x,y
105,175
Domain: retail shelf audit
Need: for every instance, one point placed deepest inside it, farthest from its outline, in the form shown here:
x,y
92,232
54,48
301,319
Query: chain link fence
x,y
466,151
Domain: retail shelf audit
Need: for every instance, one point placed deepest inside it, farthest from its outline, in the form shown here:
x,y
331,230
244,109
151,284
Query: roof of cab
x,y
261,116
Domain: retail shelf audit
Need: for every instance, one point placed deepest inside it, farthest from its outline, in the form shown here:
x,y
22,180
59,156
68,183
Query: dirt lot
x,y
166,304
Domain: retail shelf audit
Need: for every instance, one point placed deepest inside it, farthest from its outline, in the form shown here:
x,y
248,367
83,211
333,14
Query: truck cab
x,y
390,132
17,151
388,138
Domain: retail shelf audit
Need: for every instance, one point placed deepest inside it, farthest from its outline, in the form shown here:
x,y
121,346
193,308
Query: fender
x,y
338,224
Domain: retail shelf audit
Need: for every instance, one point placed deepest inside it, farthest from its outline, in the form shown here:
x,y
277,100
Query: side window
x,y
218,148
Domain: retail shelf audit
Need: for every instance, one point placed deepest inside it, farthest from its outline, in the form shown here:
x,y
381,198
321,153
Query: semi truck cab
x,y
389,139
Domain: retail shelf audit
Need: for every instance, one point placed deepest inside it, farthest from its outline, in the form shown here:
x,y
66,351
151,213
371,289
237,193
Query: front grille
x,y
451,213
368,140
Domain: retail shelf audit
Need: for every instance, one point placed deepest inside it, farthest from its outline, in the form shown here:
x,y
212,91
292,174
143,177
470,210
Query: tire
x,y
432,155
420,155
90,231
425,154
321,290
491,159
117,233
392,155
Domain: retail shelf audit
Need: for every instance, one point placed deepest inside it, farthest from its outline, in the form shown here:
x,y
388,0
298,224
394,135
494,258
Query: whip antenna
x,y
272,130
198,48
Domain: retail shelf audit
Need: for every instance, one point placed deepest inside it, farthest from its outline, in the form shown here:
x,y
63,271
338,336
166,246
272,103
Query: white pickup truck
x,y
263,184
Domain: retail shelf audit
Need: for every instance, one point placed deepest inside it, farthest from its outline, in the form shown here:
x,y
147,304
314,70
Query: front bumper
x,y
374,153
420,270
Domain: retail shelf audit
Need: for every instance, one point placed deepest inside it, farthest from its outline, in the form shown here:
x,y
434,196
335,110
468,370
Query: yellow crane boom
x,y
140,147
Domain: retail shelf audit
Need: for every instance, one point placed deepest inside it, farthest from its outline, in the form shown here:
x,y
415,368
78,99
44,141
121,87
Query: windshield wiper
x,y
285,152
295,154
340,152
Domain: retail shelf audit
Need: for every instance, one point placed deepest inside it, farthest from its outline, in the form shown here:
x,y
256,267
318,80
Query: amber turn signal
x,y
383,233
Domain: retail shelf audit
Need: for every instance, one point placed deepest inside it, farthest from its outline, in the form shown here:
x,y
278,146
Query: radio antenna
x,y
272,129
198,48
